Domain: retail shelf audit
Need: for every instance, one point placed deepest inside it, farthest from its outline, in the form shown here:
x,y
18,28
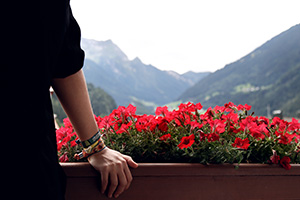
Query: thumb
x,y
130,162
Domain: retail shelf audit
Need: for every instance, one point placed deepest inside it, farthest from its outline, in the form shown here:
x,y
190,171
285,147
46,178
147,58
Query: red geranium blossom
x,y
124,128
279,123
161,111
217,126
186,141
244,107
163,125
64,157
211,137
165,137
285,162
195,124
239,143
294,125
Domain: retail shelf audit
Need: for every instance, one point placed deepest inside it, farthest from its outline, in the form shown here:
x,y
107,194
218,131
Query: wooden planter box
x,y
191,181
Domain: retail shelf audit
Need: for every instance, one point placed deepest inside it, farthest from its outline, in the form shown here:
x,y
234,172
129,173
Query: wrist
x,y
91,146
91,141
97,154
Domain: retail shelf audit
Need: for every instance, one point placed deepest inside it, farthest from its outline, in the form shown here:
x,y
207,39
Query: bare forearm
x,y
112,165
73,95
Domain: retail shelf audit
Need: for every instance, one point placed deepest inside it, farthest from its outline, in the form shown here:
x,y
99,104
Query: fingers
x,y
113,184
120,179
128,176
104,181
114,169
122,185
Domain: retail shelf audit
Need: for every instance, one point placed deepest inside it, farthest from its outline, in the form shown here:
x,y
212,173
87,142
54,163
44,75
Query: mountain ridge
x,y
127,81
255,76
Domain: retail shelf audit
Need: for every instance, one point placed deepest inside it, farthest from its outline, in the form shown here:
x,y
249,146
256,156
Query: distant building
x,y
277,113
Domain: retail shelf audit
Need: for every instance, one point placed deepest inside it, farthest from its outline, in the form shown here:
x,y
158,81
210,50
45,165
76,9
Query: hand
x,y
113,166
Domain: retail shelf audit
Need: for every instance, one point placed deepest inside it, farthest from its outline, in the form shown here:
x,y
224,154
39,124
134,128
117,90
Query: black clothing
x,y
41,41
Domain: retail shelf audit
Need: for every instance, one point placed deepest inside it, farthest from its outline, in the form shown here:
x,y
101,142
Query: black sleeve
x,y
71,56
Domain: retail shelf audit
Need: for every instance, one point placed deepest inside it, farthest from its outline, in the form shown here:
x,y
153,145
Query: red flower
x,y
124,128
62,132
274,158
217,126
281,124
98,120
186,141
161,111
64,157
247,107
188,107
163,127
244,107
59,146
207,115
285,162
229,107
195,124
73,143
239,143
130,110
284,138
257,132
105,123
198,106
67,123
294,125
145,123
165,137
213,137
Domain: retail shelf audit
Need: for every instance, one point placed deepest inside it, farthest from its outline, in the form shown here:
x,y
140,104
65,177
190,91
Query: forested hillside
x,y
268,76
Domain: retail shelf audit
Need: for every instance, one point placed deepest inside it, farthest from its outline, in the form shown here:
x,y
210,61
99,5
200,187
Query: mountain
x,y
267,77
194,77
132,81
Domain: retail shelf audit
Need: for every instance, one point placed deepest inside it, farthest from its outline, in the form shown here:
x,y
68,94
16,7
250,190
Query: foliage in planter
x,y
224,134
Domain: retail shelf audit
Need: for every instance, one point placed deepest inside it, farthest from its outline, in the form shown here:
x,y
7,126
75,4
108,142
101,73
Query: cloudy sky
x,y
183,35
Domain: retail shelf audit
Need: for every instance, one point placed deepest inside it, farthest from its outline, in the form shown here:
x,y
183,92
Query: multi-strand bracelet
x,y
91,146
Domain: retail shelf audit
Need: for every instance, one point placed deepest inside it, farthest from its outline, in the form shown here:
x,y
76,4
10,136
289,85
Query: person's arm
x,y
113,166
